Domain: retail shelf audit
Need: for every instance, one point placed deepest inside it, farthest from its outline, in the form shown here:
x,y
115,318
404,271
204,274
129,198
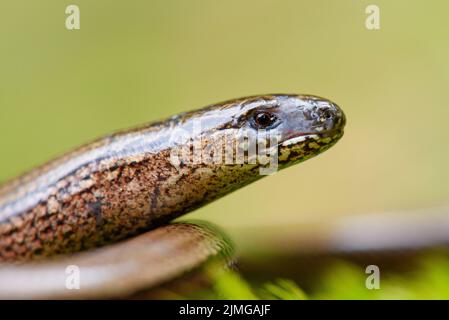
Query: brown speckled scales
x,y
120,270
125,183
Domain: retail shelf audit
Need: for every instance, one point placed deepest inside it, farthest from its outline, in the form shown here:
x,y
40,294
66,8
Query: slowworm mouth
x,y
312,135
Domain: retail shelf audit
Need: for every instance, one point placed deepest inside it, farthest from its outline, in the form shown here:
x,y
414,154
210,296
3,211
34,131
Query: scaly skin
x,y
126,183
123,269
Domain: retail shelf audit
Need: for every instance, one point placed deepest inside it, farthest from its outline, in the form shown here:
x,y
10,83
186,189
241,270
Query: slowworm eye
x,y
327,114
264,119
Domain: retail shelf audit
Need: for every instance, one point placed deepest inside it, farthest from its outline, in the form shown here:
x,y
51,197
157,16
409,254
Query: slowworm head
x,y
298,127
306,125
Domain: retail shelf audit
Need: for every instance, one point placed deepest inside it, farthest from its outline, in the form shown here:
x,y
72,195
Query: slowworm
x,y
131,184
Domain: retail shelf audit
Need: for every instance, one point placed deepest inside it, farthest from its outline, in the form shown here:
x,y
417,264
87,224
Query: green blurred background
x,y
137,61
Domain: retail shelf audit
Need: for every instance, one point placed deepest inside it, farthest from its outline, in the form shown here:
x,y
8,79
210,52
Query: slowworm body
x,y
126,182
132,181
